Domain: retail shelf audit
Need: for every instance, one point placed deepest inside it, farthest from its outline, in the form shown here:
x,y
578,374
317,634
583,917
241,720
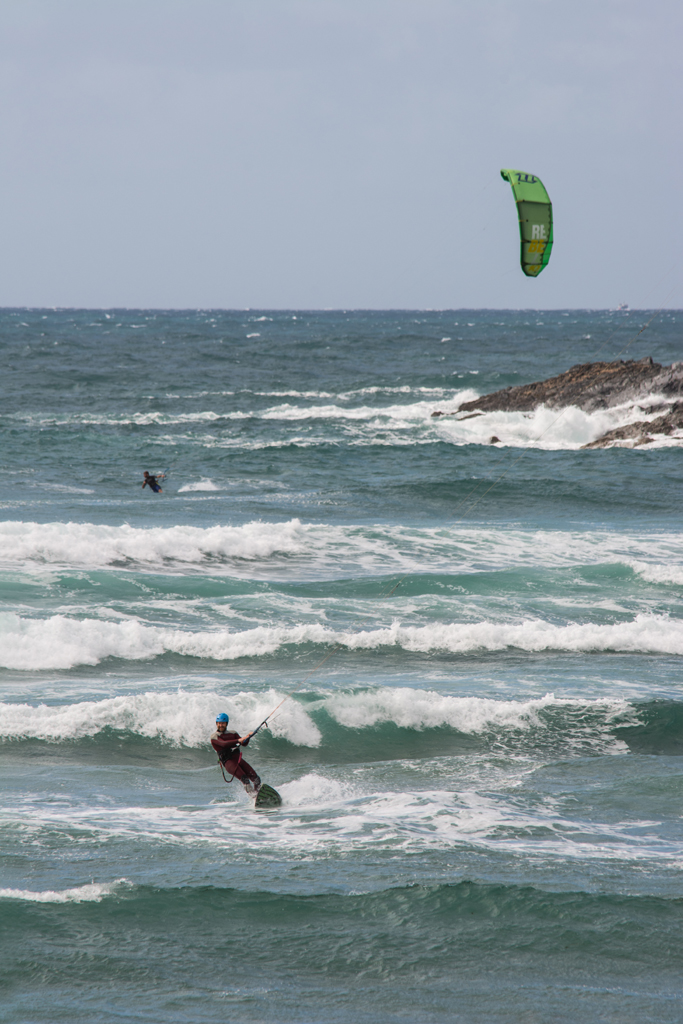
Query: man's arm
x,y
229,741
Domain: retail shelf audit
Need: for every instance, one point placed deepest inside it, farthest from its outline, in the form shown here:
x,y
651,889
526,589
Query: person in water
x,y
151,482
227,746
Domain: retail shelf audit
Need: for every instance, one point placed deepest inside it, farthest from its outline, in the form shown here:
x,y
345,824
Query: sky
x,y
337,154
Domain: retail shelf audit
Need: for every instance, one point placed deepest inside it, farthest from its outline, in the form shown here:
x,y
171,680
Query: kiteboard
x,y
267,797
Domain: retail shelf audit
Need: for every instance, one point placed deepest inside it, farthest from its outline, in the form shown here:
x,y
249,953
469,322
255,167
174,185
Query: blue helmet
x,y
223,717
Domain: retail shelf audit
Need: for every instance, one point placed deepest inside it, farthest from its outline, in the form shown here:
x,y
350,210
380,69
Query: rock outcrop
x,y
593,386
644,431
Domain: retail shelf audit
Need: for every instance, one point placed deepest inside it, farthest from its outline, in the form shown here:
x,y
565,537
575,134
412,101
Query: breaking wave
x,y
339,723
552,429
179,718
95,545
60,642
411,415
93,893
347,548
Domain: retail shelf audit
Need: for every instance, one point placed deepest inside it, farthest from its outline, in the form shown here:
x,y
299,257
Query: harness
x,y
225,778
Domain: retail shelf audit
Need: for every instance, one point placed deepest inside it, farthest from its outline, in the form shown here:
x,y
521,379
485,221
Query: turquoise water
x,y
481,784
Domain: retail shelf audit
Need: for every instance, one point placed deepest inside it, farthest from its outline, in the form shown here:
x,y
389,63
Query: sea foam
x,y
184,719
92,893
567,428
178,718
60,642
200,485
375,548
96,545
425,709
405,414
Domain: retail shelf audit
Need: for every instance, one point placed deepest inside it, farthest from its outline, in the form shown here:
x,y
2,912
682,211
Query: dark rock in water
x,y
590,386
594,386
641,432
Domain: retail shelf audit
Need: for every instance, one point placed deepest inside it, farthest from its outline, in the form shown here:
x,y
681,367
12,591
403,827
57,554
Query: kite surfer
x,y
152,482
227,746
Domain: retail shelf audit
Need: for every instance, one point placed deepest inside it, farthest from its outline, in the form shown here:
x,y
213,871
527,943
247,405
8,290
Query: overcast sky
x,y
337,153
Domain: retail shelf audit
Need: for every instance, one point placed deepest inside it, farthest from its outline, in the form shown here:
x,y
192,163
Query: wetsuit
x,y
151,482
228,749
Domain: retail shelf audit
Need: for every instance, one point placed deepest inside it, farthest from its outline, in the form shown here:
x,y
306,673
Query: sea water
x,y
480,753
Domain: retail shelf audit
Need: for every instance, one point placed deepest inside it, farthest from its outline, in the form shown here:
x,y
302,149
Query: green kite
x,y
535,220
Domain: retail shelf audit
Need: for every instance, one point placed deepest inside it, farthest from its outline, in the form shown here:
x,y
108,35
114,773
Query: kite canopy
x,y
535,220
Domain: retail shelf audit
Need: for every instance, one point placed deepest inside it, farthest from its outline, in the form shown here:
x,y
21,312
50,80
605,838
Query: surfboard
x,y
267,797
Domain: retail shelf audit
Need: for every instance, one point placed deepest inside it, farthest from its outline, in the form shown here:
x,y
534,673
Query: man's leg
x,y
248,777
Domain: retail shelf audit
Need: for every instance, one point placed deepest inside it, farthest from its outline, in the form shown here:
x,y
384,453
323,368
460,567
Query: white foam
x,y
136,418
425,709
92,893
178,718
185,719
335,550
406,389
60,642
406,415
551,429
568,428
657,573
322,816
201,485
288,394
646,633
95,545
314,790
63,488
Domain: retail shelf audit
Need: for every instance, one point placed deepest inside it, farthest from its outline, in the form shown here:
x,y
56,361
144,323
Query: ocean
x,y
480,645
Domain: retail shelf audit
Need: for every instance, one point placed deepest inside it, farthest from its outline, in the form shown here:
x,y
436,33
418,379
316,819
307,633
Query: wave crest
x,y
339,723
376,548
62,643
95,545
92,893
181,719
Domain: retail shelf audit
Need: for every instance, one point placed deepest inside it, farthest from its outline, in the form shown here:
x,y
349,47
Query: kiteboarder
x,y
227,746
151,482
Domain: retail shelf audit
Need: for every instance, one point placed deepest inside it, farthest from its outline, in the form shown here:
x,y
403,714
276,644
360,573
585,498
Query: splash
x,y
200,485
551,429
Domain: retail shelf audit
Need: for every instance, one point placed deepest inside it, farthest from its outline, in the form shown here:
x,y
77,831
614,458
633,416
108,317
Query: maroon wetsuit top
x,y
228,749
226,746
